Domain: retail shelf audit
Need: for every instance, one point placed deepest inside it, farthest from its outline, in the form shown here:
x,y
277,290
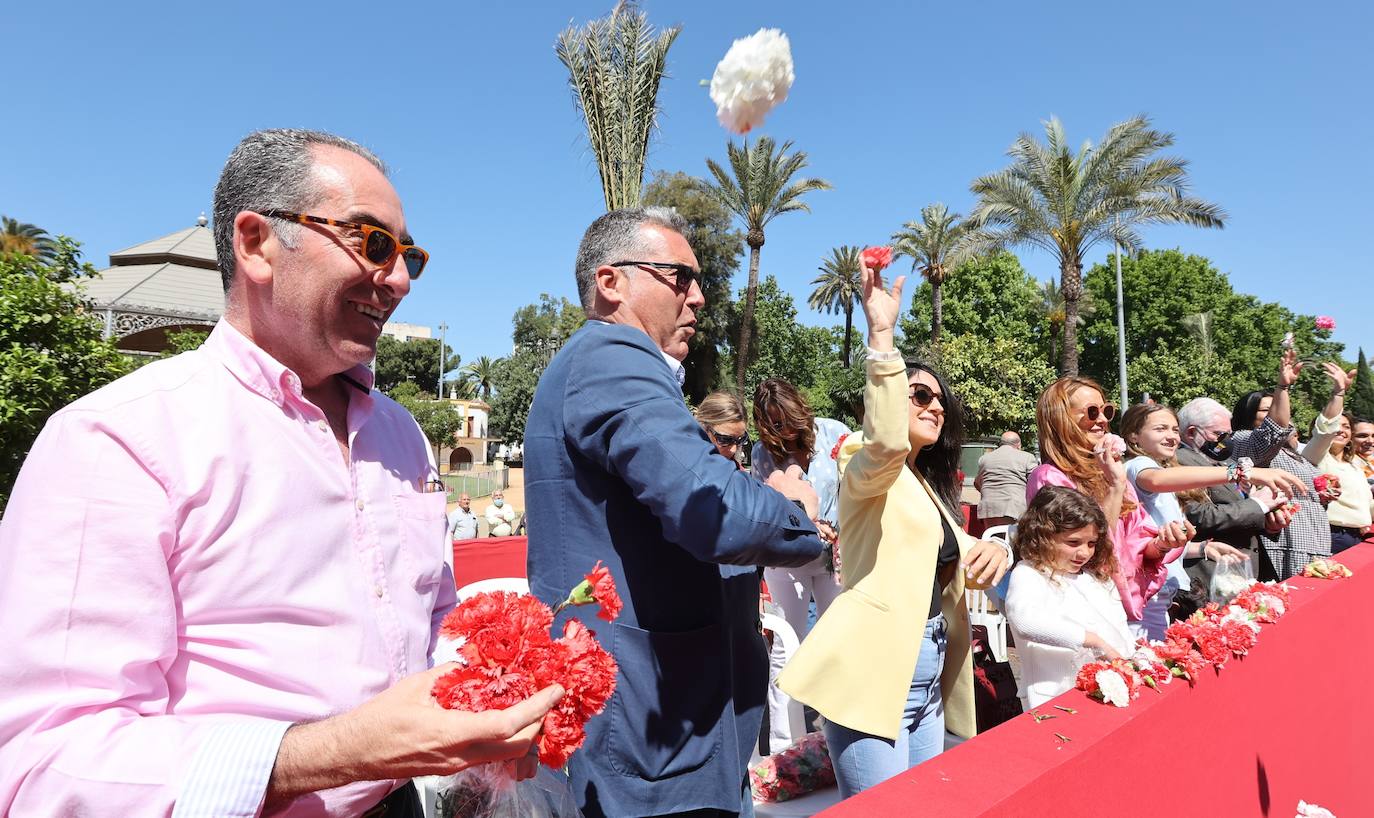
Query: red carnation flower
x,y
877,257
835,451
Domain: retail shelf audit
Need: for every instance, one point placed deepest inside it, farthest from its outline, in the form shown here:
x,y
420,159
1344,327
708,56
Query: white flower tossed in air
x,y
752,79
1113,688
1306,810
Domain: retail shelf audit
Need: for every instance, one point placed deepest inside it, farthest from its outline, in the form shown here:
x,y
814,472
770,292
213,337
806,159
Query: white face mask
x,y
498,502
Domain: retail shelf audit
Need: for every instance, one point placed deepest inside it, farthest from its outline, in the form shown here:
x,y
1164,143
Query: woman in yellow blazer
x,y
888,665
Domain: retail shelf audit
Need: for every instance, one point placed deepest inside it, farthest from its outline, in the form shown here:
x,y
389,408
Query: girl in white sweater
x,y
1061,601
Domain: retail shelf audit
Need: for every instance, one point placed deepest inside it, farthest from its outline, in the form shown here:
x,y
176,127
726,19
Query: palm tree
x,y
26,239
759,187
937,245
480,374
1199,325
1052,307
1067,203
614,67
839,289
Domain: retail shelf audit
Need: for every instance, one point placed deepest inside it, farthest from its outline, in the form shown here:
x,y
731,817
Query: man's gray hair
x,y
1199,412
618,236
1011,439
267,170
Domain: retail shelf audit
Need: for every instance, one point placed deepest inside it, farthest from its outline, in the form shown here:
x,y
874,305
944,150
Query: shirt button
x,y
360,505
378,590
324,426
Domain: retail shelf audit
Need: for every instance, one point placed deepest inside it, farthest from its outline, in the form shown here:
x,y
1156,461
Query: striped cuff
x,y
231,769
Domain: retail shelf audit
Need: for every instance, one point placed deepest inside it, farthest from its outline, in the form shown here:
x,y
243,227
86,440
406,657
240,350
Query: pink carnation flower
x,y
1325,322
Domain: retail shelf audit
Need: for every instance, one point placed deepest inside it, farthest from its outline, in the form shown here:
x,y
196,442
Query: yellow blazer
x,y
855,666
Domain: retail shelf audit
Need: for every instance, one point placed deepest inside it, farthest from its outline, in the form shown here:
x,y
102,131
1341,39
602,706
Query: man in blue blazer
x,y
617,470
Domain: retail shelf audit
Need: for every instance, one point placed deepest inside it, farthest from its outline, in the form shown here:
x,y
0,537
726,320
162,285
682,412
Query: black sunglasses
x,y
730,440
922,396
1107,412
378,245
683,274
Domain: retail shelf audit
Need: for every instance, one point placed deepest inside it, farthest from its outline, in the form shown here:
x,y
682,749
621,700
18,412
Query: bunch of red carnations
x,y
1113,682
508,654
802,768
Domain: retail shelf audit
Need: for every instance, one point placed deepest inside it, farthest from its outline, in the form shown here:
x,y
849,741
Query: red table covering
x,y
488,558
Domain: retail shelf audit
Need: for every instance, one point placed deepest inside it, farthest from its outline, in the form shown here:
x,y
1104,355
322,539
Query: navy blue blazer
x,y
617,470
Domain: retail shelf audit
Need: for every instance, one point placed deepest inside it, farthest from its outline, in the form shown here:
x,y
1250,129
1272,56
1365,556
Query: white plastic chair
x,y
519,585
981,609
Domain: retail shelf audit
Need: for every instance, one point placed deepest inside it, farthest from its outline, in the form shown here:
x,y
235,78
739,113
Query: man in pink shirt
x,y
232,611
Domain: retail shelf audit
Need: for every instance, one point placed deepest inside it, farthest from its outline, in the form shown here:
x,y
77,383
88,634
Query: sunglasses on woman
x,y
379,246
730,440
922,396
1107,412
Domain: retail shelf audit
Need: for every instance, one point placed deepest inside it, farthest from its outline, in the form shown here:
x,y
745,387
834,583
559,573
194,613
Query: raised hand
x,y
1340,379
1289,367
880,305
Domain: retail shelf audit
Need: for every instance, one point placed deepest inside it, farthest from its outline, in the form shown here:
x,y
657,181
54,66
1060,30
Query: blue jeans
x,y
862,760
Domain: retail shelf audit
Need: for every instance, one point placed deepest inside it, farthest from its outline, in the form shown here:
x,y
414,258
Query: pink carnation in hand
x,y
877,257
1325,322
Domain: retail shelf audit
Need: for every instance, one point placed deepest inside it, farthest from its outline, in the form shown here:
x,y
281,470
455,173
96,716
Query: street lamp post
x,y
1121,328
443,328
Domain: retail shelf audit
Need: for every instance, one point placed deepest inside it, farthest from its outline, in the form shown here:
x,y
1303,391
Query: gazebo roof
x,y
176,274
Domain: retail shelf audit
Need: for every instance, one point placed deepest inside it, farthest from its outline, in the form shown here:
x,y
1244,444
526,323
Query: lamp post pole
x,y
443,329
1121,329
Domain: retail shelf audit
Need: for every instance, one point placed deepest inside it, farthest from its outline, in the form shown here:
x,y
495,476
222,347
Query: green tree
x,y
416,360
51,350
718,249
1067,203
615,65
184,341
1165,355
544,326
838,289
998,379
481,374
438,419
992,296
1051,305
514,384
759,187
936,245
29,240
1362,393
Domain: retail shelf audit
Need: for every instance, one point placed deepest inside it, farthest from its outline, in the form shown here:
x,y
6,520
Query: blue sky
x,y
121,116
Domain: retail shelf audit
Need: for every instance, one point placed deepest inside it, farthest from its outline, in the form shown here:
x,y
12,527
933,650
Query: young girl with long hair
x,y
1061,599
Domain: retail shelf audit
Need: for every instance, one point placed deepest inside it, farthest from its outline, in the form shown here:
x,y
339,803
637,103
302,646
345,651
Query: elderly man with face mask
x,y
620,472
238,616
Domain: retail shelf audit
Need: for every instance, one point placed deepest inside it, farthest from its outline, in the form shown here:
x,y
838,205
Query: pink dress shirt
x,y
1137,577
187,567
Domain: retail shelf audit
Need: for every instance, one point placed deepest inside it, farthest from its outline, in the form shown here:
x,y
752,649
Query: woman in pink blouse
x,y
1077,451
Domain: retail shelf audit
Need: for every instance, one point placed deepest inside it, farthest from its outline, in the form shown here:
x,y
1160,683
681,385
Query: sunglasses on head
x,y
730,440
379,246
922,396
683,274
1108,412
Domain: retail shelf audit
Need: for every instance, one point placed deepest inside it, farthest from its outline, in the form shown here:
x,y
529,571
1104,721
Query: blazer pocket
x,y
869,599
669,700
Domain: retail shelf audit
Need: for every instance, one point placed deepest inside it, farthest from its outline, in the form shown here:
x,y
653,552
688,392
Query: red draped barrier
x,y
1288,722
488,558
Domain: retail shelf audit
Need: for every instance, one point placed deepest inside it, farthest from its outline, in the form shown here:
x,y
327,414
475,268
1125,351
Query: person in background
x,y
1061,599
1078,451
462,523
1001,481
1362,439
889,664
1274,443
1223,513
721,415
501,517
1349,502
791,435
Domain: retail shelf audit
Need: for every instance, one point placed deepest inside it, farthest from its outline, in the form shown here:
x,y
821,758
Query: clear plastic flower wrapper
x,y
802,768
487,791
1229,579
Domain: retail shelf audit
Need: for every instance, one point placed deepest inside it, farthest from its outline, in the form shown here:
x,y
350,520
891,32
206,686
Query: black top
x,y
949,553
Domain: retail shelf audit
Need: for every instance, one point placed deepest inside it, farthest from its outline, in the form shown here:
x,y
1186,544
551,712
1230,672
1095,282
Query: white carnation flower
x,y
752,79
1306,810
1113,688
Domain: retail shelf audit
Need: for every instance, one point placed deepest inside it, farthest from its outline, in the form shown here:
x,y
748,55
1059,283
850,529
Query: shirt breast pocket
x,y
422,524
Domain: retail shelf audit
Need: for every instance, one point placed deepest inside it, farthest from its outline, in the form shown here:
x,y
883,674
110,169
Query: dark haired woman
x,y
888,666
